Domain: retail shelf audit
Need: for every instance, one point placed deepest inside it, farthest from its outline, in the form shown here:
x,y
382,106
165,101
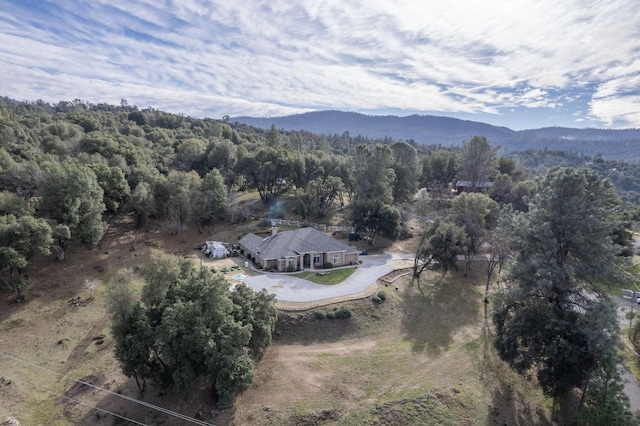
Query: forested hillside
x,y
69,170
450,132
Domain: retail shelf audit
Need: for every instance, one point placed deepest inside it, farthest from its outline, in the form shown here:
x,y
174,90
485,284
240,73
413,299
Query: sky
x,y
516,63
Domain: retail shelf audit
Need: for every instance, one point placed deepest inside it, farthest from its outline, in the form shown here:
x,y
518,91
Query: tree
x,y
603,400
477,161
114,186
20,240
190,326
210,202
545,321
373,174
440,243
257,310
142,203
273,137
268,169
132,331
70,195
376,218
11,203
476,213
181,189
438,171
324,192
499,243
406,169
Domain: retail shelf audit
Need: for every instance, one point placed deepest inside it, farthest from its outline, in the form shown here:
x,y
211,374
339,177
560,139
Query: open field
x,y
423,356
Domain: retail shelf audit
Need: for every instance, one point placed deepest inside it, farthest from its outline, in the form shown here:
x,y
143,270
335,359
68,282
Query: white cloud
x,y
272,57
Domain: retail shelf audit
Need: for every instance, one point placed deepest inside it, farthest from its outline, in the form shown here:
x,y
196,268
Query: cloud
x,y
279,57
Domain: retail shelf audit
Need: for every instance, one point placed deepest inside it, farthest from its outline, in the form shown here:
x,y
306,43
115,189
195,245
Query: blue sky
x,y
517,63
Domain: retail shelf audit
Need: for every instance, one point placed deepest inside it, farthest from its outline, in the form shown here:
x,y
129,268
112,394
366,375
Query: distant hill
x,y
430,129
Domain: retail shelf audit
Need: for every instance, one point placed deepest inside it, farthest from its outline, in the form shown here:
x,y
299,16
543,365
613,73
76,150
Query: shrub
x,y
331,314
343,312
291,268
327,265
264,222
320,314
405,233
376,300
382,295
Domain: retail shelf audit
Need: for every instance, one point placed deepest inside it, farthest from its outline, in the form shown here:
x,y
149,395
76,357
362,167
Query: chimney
x,y
274,231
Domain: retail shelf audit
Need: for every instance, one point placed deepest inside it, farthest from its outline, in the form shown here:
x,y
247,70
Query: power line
x,y
78,401
125,397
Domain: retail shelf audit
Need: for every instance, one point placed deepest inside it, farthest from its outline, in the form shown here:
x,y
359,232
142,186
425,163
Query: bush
x,y
405,233
291,268
264,222
331,314
376,300
320,314
327,265
382,295
343,312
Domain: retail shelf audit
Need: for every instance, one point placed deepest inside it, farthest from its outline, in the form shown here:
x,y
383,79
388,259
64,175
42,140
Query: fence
x,y
630,294
318,226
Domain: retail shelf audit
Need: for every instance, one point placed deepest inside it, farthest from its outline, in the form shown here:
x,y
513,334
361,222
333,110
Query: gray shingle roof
x,y
293,243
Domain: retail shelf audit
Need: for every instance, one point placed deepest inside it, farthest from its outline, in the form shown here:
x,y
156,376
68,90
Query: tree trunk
x,y
135,239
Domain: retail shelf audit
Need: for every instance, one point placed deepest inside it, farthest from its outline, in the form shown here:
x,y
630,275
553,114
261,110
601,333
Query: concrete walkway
x,y
288,288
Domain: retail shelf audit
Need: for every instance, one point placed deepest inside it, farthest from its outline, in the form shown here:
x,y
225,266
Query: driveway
x,y
631,387
288,288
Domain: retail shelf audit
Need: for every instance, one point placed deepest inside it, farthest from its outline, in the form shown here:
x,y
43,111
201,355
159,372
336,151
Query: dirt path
x,y
77,354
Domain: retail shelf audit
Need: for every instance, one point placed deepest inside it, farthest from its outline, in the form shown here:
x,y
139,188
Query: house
x,y
304,248
467,186
215,250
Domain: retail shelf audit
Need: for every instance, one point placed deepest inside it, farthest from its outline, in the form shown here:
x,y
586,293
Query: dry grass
x,y
426,358
421,357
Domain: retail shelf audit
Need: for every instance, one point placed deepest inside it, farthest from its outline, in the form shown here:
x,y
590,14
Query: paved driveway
x,y
288,288
631,387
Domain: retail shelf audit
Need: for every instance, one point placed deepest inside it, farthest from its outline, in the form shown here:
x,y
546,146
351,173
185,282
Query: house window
x,y
316,259
291,263
335,259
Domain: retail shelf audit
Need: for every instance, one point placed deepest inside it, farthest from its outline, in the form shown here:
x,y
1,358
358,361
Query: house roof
x,y
293,243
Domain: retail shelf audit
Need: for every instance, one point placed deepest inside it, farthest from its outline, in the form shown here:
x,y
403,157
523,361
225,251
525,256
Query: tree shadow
x,y
511,407
437,312
126,406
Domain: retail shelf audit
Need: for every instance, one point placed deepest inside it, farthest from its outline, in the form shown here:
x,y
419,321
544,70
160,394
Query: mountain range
x,y
614,144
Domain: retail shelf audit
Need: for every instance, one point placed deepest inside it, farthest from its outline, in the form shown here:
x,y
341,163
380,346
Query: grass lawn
x,y
333,276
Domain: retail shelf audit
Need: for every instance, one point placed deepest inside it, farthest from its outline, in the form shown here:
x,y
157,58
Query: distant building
x,y
467,186
304,248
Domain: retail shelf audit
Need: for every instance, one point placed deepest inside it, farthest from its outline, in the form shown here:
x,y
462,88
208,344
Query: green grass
x,y
333,276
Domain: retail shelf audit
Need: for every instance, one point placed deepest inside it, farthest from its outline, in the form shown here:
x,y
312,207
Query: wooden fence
x,y
318,226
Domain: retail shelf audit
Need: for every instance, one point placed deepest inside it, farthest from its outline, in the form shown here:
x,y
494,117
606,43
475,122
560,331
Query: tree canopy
x,y
551,319
188,325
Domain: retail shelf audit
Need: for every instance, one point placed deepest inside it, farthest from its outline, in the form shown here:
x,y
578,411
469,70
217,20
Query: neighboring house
x,y
467,186
215,250
304,248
